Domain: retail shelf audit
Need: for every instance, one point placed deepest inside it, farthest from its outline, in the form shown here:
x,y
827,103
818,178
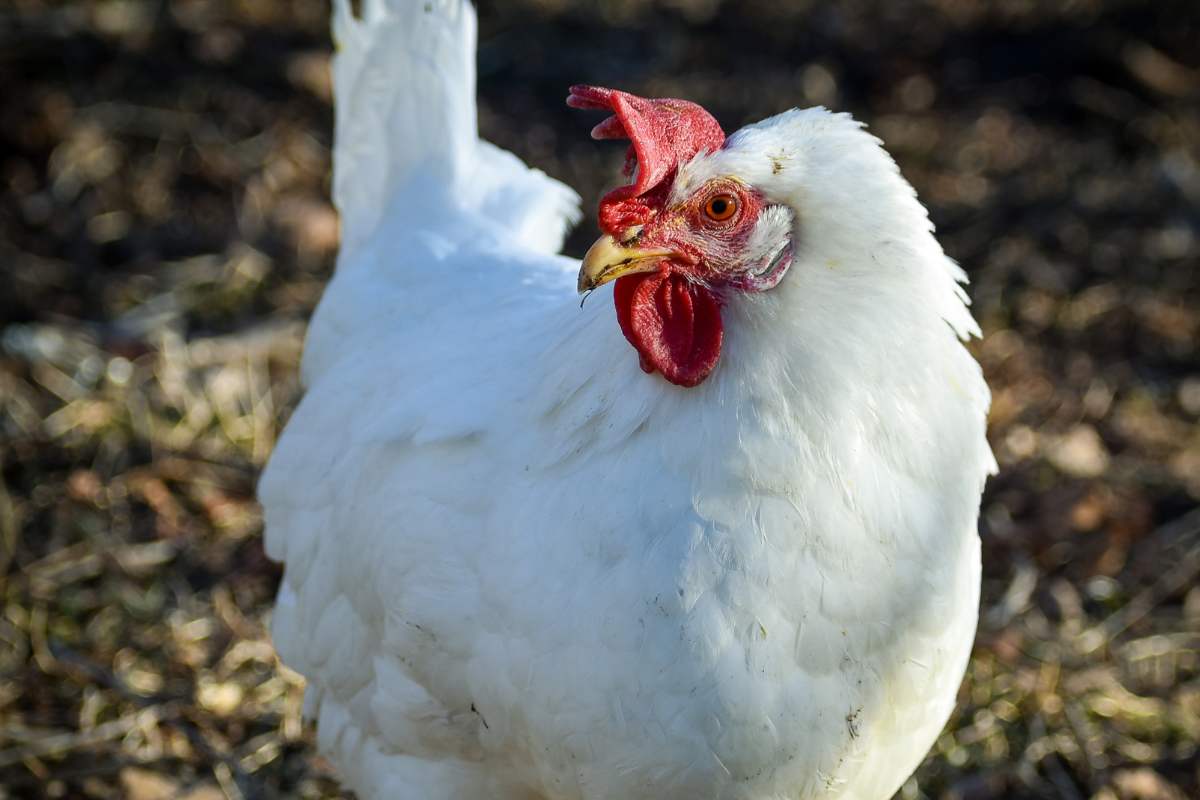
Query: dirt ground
x,y
165,231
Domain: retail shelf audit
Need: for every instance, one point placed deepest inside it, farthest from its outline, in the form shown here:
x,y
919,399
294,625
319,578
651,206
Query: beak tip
x,y
606,261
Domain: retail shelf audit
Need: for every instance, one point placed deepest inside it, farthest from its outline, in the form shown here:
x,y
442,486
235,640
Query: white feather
x,y
518,567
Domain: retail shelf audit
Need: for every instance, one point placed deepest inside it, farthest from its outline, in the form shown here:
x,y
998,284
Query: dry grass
x,y
164,232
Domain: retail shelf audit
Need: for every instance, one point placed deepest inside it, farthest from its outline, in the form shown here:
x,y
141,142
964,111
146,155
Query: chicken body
x,y
518,567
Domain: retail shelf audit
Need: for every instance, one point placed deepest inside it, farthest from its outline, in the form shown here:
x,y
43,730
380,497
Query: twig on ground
x,y
1185,572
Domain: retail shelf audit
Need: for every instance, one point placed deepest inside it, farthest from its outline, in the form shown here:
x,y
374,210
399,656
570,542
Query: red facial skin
x,y
705,243
672,316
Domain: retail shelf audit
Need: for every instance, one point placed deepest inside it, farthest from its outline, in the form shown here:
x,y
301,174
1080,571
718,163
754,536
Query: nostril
x,y
630,235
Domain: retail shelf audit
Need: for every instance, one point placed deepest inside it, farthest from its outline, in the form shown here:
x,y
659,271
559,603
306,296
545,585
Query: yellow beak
x,y
606,261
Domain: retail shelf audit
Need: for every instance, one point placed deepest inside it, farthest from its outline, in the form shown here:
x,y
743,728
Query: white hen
x,y
520,564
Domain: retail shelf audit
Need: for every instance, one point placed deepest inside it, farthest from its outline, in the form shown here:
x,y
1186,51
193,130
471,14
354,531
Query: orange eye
x,y
721,207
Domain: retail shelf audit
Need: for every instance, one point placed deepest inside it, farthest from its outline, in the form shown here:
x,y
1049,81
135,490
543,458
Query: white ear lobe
x,y
773,227
768,252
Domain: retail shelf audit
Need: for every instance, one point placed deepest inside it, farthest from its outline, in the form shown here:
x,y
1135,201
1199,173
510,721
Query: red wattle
x,y
674,324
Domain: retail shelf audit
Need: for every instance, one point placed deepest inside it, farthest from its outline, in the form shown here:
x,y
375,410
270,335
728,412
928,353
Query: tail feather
x,y
404,81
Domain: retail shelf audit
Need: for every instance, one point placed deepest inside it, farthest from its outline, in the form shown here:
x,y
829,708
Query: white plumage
x,y
518,567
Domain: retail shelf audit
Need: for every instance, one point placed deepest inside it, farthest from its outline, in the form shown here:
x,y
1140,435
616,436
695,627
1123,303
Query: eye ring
x,y
721,207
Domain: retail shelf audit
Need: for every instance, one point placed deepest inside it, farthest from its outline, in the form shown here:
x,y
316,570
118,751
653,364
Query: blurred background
x,y
165,231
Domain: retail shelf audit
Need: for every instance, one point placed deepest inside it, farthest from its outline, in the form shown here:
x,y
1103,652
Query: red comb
x,y
664,134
